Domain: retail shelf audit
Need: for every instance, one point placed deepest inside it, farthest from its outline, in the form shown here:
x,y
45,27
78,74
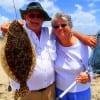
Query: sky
x,y
85,14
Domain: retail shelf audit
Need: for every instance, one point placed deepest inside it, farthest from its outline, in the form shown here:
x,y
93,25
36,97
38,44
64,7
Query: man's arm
x,y
88,40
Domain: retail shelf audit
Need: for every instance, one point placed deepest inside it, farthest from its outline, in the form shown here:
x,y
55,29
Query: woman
x,y
72,60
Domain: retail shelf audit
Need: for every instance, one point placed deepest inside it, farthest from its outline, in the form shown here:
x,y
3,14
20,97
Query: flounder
x,y
19,57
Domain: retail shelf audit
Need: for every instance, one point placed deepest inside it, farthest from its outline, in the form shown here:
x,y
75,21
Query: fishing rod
x,y
15,9
67,90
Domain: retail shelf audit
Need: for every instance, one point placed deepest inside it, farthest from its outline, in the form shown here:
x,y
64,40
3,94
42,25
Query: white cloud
x,y
91,5
8,5
78,7
84,22
3,19
50,7
94,0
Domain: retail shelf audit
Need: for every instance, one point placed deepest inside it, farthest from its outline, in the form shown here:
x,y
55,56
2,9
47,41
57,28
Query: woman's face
x,y
61,28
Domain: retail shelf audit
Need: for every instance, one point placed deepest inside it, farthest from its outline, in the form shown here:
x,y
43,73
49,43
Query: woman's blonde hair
x,y
59,15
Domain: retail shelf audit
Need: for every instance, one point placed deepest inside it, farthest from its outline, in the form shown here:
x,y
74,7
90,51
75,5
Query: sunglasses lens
x,y
31,16
35,16
57,26
63,25
39,16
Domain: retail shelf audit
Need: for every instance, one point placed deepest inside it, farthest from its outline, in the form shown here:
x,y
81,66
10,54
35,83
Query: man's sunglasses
x,y
57,26
35,16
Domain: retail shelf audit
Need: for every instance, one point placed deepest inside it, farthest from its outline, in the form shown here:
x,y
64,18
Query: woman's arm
x,y
88,40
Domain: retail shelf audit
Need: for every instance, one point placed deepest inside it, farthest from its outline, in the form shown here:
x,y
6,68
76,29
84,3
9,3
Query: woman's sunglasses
x,y
61,25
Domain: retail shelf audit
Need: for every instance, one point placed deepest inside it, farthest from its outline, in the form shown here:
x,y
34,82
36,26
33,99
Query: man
x,y
41,83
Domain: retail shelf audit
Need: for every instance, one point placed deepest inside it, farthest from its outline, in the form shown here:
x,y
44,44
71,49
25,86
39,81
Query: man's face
x,y
34,20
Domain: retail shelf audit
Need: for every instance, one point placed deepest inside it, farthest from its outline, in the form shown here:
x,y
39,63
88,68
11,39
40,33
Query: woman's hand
x,y
83,78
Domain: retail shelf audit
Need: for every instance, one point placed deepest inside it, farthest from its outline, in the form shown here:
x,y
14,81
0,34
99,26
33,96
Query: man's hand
x,y
91,41
88,40
4,27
